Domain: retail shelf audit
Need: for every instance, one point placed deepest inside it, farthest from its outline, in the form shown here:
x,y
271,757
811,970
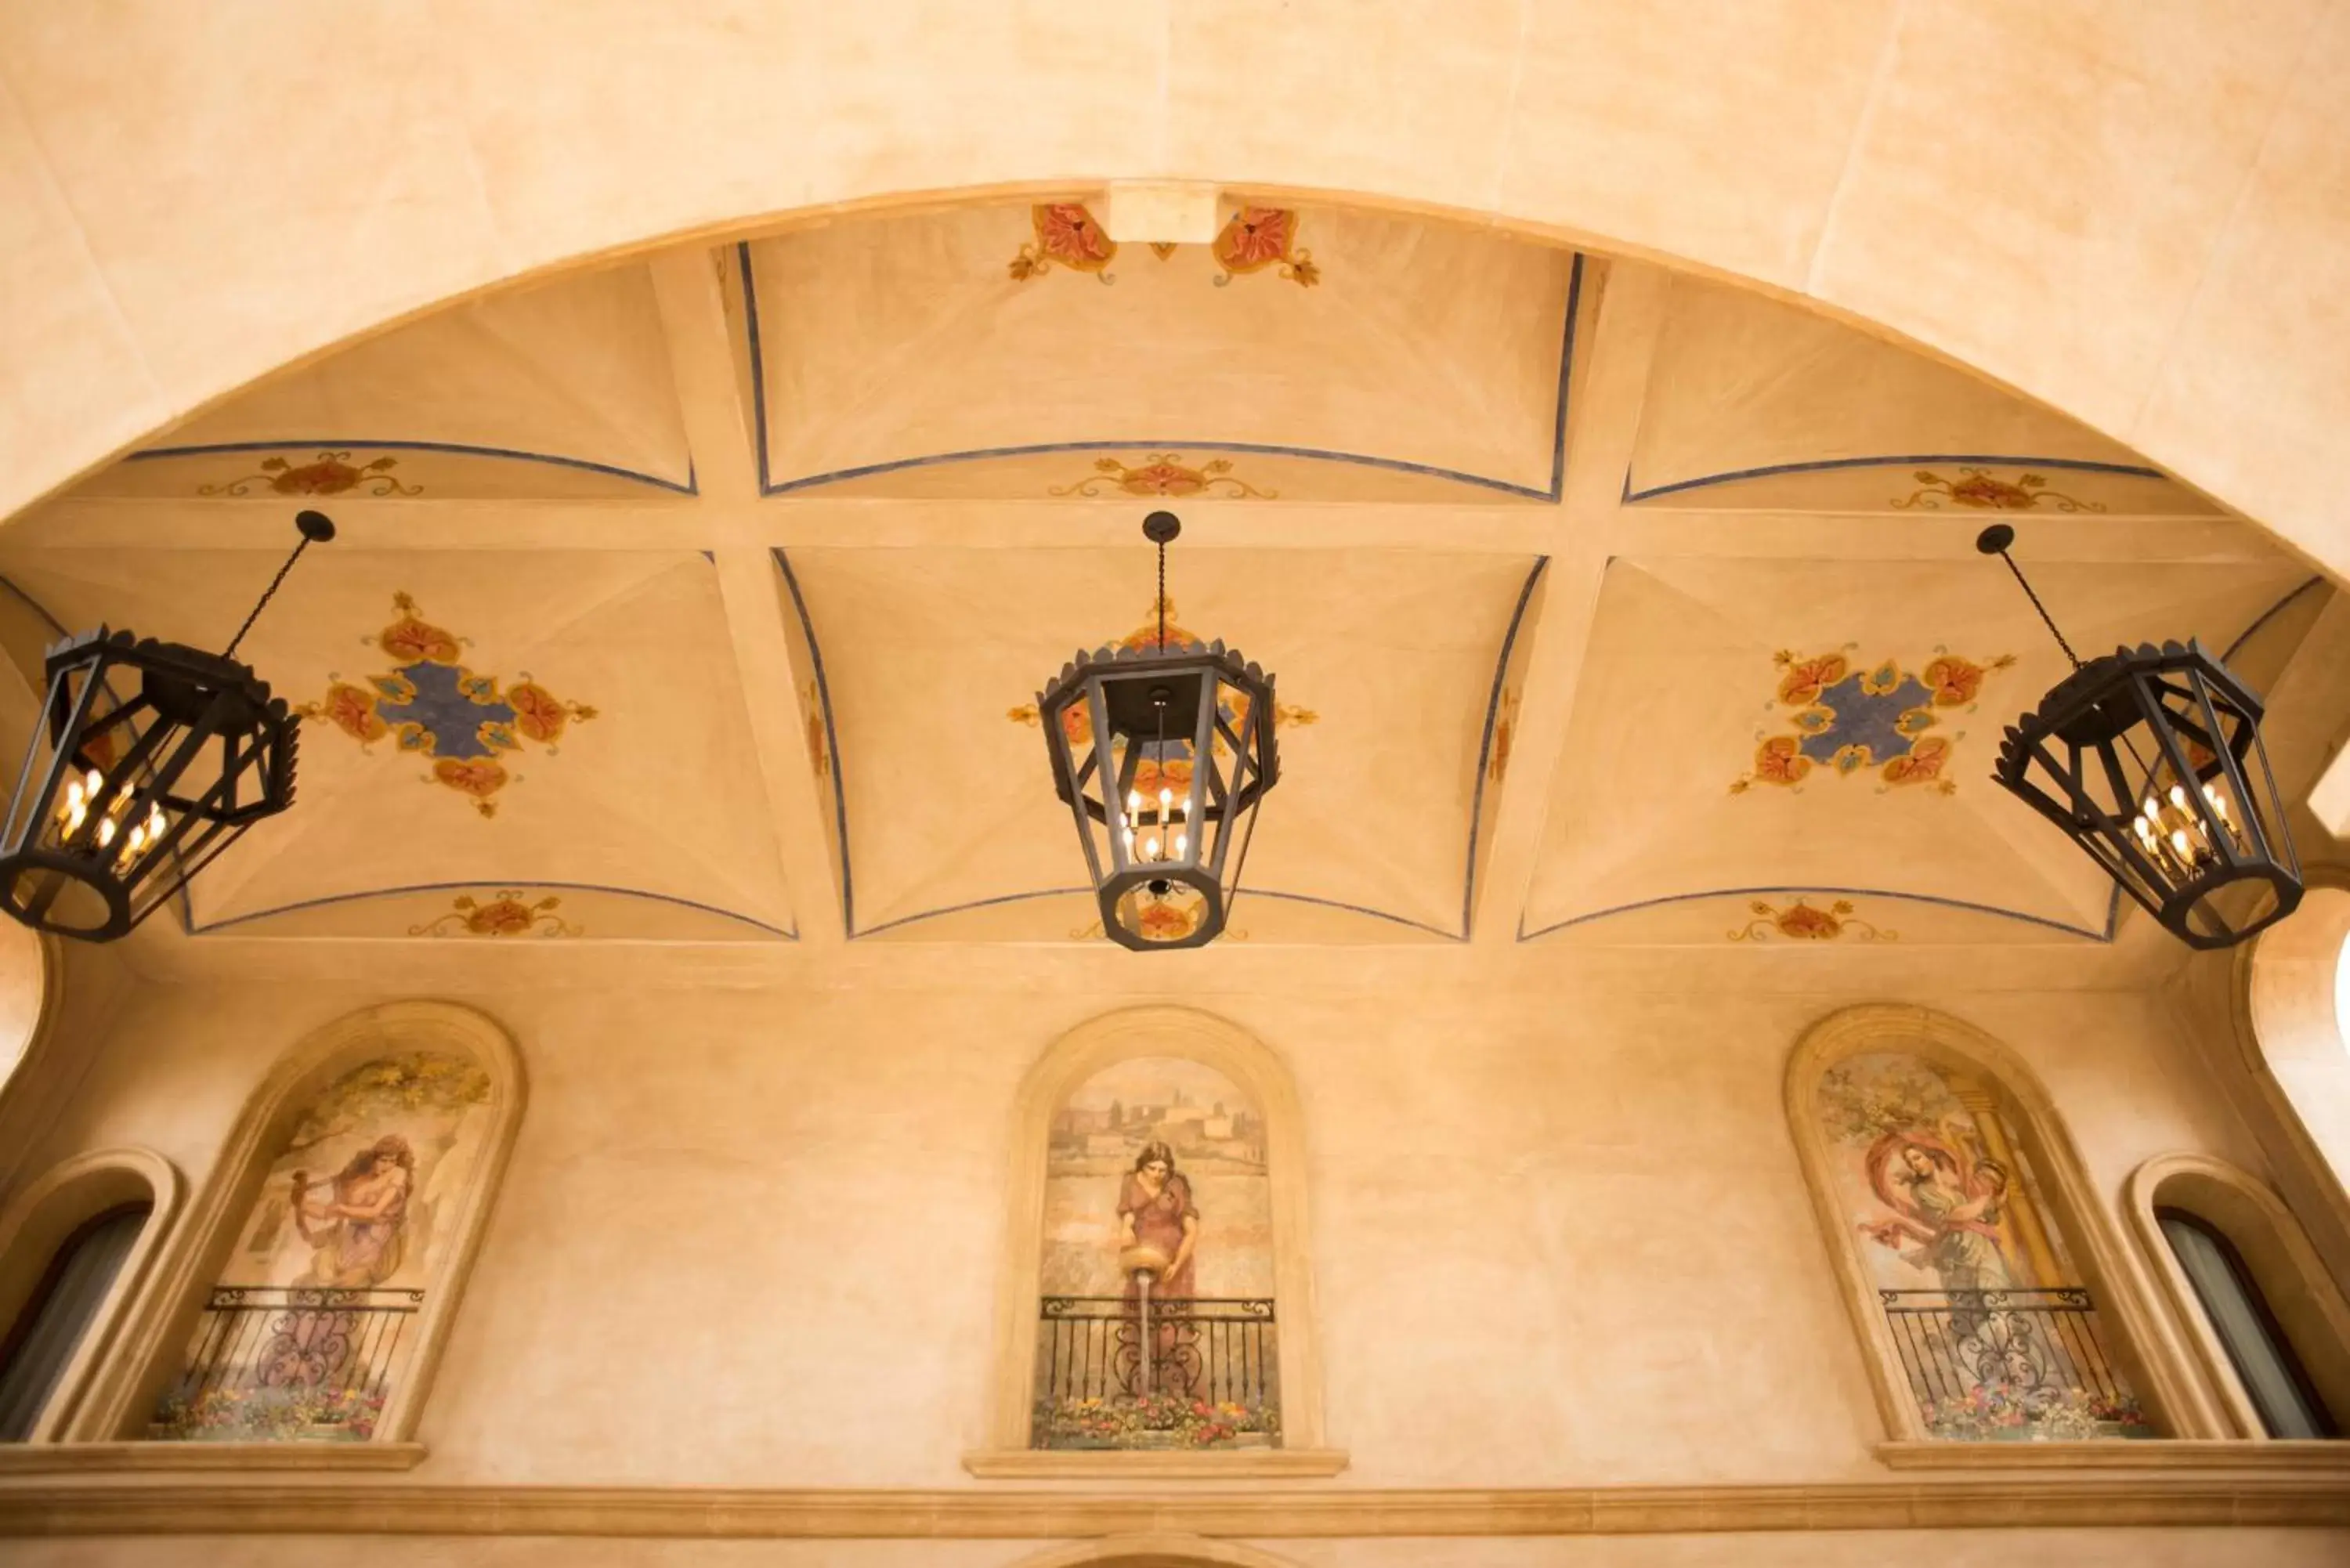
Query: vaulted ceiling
x,y
703,599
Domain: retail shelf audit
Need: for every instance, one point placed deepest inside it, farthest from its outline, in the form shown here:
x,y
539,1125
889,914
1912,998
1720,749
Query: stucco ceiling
x,y
762,547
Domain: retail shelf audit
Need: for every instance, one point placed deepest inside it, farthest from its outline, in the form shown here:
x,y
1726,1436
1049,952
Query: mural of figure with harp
x,y
355,1223
357,1229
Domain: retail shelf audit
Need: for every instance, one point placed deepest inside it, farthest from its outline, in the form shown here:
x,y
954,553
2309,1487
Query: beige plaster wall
x,y
751,1237
191,196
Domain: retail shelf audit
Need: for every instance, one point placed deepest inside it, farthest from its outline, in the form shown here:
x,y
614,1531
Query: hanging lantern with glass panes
x,y
1163,753
147,759
2150,758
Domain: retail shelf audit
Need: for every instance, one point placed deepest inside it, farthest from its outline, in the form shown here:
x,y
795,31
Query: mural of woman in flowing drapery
x,y
1155,1174
1945,1203
1998,1335
308,1329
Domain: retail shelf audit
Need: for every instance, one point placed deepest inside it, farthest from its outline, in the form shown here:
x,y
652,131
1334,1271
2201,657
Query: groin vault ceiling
x,y
703,599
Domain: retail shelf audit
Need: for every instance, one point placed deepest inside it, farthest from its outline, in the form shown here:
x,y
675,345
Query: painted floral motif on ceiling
x,y
1981,490
1800,922
1879,719
502,914
1254,239
430,705
328,473
1164,474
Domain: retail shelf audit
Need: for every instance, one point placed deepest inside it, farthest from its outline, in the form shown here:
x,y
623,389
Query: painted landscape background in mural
x,y
313,1321
1157,1233
1997,1331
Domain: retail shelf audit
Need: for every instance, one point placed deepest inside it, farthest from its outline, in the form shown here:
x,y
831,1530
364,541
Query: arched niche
x,y
2290,1026
2019,1316
2308,1307
396,1072
44,1215
1135,1038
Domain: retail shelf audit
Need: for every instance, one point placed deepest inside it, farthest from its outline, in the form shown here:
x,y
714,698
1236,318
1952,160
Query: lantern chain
x,y
1162,596
314,528
1994,541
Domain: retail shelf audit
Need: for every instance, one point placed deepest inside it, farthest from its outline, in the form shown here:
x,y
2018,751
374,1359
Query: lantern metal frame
x,y
2195,833
124,799
1163,753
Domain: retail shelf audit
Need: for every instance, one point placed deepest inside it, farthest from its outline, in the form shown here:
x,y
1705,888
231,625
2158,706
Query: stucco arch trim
x,y
2289,1033
2255,1218
1156,1030
1155,1550
2144,1340
151,1345
39,1219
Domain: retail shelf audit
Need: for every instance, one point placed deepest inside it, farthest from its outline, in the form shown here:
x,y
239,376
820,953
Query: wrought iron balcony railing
x,y
1197,1371
289,1361
2025,1351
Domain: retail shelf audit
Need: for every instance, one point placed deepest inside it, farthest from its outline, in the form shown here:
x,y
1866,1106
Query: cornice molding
x,y
2243,1491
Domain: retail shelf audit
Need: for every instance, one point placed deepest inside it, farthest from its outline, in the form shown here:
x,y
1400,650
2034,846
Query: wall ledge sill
x,y
76,1458
2254,1456
1227,1464
227,1504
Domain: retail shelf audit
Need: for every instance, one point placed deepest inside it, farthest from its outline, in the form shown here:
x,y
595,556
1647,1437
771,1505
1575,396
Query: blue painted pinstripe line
x,y
758,363
831,739
1486,746
2268,615
1086,892
2075,464
2106,936
519,885
353,443
769,485
1566,373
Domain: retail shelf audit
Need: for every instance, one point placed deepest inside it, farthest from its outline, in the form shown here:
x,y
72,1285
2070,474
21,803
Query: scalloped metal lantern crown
x,y
1162,753
149,760
2150,759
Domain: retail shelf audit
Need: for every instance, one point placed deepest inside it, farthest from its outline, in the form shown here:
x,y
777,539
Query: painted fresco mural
x,y
430,705
1853,718
310,1328
1157,1328
1998,1336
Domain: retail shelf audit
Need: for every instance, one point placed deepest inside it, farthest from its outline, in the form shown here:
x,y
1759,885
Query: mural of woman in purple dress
x,y
358,1227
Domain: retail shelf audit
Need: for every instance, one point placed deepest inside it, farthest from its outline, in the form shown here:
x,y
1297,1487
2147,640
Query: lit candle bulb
x,y
2178,797
2218,802
1150,847
1181,841
1134,803
2180,846
1129,843
1166,802
104,831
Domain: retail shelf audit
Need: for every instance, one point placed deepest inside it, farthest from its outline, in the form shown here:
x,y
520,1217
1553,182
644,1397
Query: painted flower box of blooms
x,y
2002,1413
1154,1421
283,1415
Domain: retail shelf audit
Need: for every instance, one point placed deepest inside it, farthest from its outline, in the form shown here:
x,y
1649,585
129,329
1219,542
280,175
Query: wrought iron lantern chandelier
x,y
2150,759
1162,751
124,797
